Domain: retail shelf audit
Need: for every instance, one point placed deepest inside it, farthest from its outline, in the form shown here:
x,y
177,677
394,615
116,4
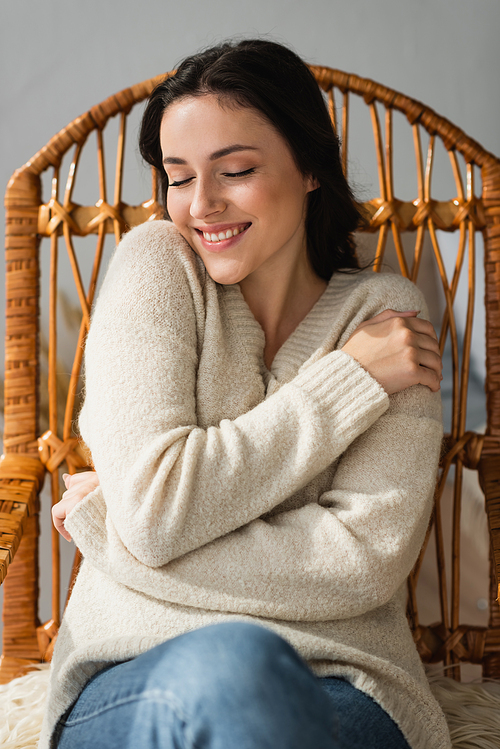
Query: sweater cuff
x,y
345,392
85,518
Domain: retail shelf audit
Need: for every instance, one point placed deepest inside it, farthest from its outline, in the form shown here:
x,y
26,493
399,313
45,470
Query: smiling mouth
x,y
214,238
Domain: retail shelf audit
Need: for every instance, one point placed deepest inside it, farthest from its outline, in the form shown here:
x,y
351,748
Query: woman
x,y
265,427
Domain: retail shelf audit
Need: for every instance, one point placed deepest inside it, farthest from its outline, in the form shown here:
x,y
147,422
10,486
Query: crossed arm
x,y
338,557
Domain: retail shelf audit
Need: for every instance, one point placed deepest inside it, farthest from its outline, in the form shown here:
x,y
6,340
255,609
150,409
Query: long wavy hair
x,y
273,80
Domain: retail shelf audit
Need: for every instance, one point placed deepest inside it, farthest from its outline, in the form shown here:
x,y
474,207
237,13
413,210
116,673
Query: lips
x,y
218,233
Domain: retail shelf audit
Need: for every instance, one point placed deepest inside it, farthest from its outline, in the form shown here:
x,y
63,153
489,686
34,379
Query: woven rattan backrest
x,y
472,207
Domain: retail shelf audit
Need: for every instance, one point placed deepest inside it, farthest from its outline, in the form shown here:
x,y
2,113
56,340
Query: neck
x,y
280,301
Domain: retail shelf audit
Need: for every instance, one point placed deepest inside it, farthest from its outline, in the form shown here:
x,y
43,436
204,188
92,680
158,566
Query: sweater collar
x,y
305,339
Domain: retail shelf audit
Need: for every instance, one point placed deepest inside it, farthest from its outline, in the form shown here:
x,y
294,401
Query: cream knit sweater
x,y
296,498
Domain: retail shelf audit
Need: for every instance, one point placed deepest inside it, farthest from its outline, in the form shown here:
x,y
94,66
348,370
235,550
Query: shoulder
x,y
370,293
152,271
156,245
392,286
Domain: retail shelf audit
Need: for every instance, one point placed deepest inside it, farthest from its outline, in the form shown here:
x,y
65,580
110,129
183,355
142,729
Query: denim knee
x,y
229,684
230,655
239,640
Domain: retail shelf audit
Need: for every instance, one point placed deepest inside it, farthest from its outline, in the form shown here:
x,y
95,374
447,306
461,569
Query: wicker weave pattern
x,y
29,454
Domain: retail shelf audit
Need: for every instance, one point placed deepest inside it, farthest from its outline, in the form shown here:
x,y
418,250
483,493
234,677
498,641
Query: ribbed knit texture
x,y
297,498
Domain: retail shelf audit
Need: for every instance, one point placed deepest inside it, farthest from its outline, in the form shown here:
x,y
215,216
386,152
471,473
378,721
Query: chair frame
x,y
28,456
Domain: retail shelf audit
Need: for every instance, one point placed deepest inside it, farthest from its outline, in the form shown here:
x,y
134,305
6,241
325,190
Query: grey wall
x,y
59,57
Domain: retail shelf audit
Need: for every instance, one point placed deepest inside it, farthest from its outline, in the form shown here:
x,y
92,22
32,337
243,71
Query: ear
x,y
312,183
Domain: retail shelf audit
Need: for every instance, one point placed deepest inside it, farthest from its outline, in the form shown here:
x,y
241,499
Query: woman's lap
x,y
228,685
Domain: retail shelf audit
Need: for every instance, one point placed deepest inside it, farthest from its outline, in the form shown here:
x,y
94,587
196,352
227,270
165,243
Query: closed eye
x,y
226,174
181,182
240,174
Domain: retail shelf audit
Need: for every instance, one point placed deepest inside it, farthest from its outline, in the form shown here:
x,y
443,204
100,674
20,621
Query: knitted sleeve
x,y
171,487
338,558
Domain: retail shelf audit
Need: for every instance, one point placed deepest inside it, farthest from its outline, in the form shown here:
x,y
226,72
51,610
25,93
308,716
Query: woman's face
x,y
235,192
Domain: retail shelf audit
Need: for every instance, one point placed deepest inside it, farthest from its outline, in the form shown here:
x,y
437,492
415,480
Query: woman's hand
x,y
77,487
398,349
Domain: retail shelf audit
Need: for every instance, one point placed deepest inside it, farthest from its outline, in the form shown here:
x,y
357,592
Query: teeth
x,y
222,235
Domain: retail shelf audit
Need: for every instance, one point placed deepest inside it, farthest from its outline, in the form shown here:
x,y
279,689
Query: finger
x,y
83,483
422,326
428,370
60,512
78,478
429,378
75,491
64,533
426,343
58,517
387,314
432,361
418,336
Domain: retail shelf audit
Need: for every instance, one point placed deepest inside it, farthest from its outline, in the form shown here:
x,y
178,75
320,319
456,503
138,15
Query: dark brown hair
x,y
273,80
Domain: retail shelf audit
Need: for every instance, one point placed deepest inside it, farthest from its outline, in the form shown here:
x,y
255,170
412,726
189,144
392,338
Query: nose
x,y
207,198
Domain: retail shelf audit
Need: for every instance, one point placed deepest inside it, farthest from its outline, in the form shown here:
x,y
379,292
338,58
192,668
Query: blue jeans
x,y
228,686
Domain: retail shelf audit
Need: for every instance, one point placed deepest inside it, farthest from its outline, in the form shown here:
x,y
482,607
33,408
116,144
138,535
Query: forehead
x,y
198,120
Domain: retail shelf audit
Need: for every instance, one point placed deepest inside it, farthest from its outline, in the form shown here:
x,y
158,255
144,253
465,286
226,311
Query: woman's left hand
x,y
398,349
77,487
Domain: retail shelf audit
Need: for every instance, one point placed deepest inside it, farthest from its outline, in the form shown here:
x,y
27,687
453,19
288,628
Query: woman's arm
x,y
337,558
171,487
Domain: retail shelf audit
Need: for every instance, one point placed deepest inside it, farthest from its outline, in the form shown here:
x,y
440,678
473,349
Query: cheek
x,y
175,208
256,199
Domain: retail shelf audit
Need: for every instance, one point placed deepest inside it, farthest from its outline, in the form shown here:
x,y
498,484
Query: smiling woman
x,y
250,399
283,95
255,192
242,208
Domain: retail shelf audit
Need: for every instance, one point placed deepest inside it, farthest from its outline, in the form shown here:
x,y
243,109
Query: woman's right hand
x,y
398,349
77,487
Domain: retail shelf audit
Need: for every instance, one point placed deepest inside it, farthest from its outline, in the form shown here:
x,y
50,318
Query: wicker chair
x,y
30,454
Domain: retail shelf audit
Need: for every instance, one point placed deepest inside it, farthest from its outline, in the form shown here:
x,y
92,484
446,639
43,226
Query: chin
x,y
224,276
225,279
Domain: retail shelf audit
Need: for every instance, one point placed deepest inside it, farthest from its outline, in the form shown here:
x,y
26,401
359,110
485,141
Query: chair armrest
x,y
21,478
489,478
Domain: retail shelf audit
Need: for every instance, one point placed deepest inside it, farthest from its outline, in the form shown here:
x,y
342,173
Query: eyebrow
x,y
215,155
